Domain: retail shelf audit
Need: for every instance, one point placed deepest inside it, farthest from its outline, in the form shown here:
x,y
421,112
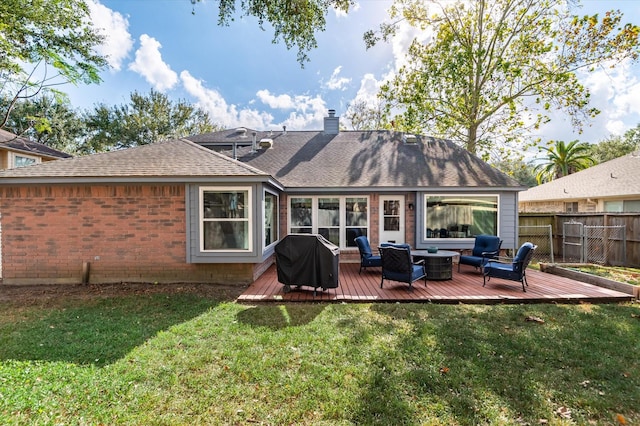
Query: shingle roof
x,y
615,178
175,158
358,159
11,141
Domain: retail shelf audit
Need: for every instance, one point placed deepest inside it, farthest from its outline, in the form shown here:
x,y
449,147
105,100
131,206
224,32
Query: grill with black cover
x,y
309,260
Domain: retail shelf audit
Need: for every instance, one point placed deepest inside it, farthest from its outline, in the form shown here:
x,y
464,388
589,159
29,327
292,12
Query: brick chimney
x,y
332,123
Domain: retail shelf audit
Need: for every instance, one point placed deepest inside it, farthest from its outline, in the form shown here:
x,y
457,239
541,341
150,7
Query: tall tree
x,y
616,146
563,159
48,119
57,34
294,22
489,64
146,119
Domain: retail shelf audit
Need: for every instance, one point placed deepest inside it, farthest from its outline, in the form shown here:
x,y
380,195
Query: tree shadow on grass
x,y
97,331
277,317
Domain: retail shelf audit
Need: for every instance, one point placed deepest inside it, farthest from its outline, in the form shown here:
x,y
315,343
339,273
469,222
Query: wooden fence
x,y
622,249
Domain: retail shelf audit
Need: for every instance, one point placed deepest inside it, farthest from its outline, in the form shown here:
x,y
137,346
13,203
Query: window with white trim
x,y
460,215
19,160
225,216
339,219
270,218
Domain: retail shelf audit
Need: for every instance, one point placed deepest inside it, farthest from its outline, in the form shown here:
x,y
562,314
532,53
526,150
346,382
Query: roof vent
x,y
266,143
284,130
410,139
242,131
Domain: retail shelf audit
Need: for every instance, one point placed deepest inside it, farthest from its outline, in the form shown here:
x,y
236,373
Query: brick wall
x,y
132,233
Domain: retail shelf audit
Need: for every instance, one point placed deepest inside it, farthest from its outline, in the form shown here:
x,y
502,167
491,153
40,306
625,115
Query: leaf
x,y
534,319
564,412
444,370
621,419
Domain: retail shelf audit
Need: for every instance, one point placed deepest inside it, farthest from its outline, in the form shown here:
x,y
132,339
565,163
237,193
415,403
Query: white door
x,y
391,218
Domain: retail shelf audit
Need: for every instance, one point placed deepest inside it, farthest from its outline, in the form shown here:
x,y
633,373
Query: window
x,y
631,206
356,220
301,220
460,216
338,219
613,206
625,206
571,207
225,219
270,218
23,160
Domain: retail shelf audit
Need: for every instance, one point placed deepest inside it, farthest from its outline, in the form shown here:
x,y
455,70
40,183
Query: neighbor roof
x,y
13,142
176,159
619,177
362,159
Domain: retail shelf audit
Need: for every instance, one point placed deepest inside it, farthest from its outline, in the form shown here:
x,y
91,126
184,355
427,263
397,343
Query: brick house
x,y
212,208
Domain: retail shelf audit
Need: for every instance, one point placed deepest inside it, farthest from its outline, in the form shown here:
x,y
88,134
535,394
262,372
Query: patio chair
x,y
367,259
485,247
397,265
515,270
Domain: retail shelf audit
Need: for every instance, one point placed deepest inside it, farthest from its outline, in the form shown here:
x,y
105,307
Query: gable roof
x,y
619,177
362,159
175,160
14,142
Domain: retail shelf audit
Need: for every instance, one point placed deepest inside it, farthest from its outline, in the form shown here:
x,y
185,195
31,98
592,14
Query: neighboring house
x,y
176,211
612,186
16,151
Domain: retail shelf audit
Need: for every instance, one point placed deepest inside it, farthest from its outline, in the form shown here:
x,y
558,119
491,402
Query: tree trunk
x,y
472,133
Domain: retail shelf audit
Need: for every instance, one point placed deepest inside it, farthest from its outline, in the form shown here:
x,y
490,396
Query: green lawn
x,y
185,359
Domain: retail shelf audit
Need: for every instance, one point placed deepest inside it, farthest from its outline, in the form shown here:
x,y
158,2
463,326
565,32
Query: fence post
x,y
551,242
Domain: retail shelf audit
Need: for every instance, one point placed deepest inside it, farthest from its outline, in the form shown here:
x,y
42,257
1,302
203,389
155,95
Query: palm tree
x,y
564,159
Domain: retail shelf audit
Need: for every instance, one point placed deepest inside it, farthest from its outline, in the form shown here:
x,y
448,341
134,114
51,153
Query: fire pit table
x,y
439,264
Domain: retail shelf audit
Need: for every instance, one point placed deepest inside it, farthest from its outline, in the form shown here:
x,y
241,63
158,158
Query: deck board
x,y
464,287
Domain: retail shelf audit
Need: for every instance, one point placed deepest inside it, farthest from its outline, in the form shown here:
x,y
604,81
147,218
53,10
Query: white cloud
x,y
150,65
616,127
308,112
115,28
368,91
278,102
336,82
221,112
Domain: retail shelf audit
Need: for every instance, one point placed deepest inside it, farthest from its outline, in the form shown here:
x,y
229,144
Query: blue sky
x,y
242,79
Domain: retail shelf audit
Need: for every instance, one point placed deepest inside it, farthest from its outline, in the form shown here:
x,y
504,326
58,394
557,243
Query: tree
x,y
48,119
563,159
521,171
616,146
363,116
146,119
52,33
294,22
490,64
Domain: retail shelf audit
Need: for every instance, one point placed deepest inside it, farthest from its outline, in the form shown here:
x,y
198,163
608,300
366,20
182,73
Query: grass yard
x,y
185,359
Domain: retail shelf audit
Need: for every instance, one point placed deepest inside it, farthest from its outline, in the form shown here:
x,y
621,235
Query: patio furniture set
x,y
400,263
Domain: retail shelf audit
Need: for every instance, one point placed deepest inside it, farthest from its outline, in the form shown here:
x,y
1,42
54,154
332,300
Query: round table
x,y
439,265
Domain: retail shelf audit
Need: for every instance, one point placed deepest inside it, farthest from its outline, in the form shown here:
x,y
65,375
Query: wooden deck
x,y
465,287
